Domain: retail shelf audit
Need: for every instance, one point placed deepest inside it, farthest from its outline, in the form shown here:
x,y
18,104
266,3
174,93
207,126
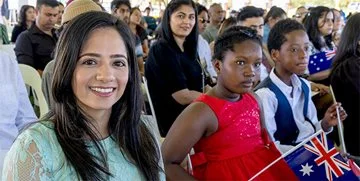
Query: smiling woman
x,y
173,72
94,131
101,73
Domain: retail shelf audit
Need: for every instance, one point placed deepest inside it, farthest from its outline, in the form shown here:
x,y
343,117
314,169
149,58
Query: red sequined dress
x,y
239,148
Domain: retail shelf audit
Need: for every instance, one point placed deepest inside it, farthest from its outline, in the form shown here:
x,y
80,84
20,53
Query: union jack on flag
x,y
320,61
318,159
330,54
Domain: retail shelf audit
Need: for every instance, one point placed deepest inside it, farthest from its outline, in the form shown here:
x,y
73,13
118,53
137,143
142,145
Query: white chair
x,y
32,78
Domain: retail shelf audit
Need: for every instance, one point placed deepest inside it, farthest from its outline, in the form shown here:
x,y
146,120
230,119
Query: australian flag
x,y
320,61
317,159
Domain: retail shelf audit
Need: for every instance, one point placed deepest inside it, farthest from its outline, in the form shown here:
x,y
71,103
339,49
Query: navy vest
x,y
286,128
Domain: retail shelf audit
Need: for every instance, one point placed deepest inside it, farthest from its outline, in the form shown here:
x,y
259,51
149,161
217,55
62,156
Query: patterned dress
x,y
37,155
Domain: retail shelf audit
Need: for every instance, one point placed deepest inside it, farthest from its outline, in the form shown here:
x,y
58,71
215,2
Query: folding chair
x,y
32,78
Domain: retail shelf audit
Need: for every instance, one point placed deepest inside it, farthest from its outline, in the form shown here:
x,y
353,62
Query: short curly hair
x,y
278,32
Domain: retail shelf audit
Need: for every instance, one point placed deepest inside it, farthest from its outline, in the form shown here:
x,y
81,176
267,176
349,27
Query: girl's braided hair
x,y
232,36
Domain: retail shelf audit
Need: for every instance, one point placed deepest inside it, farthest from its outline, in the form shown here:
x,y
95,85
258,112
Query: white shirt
x,y
15,108
263,72
204,53
296,102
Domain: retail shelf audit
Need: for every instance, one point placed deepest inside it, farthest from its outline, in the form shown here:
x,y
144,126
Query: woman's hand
x,y
322,89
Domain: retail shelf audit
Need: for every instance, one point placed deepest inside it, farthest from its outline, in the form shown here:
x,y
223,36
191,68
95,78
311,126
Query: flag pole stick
x,y
339,124
286,154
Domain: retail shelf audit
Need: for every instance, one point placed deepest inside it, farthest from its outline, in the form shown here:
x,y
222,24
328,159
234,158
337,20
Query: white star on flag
x,y
306,170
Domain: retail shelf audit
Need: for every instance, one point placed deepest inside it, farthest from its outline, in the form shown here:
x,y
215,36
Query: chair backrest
x,y
153,120
152,126
32,78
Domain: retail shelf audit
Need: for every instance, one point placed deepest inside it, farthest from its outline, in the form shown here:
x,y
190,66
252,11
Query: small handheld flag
x,y
320,61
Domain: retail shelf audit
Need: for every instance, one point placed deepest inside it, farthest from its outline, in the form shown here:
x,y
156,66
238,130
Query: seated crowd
x,y
228,96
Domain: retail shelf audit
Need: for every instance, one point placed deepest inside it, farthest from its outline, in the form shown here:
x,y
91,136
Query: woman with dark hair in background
x,y
319,26
274,15
93,131
26,19
339,23
172,69
300,14
204,51
137,29
339,20
345,82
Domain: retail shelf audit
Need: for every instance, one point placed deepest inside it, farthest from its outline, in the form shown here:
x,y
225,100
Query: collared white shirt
x,y
16,111
204,53
296,99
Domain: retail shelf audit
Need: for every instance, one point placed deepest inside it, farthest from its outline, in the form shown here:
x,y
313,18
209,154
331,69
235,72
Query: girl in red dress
x,y
223,125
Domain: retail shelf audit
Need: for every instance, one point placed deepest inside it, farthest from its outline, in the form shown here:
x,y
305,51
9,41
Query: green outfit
x,y
210,33
37,155
4,35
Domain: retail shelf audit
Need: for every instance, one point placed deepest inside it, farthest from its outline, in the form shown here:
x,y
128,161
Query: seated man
x,y
34,46
15,108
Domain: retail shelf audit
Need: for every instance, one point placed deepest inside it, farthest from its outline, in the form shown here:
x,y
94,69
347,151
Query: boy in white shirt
x,y
290,114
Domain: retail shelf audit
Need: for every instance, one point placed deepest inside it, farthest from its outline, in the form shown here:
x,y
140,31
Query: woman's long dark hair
x,y
349,41
73,126
312,28
190,44
139,28
22,15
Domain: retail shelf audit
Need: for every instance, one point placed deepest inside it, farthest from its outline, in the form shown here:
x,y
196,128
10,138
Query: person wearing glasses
x,y
204,51
290,114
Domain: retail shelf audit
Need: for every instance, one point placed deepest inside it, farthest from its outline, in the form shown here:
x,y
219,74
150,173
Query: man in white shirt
x,y
16,111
